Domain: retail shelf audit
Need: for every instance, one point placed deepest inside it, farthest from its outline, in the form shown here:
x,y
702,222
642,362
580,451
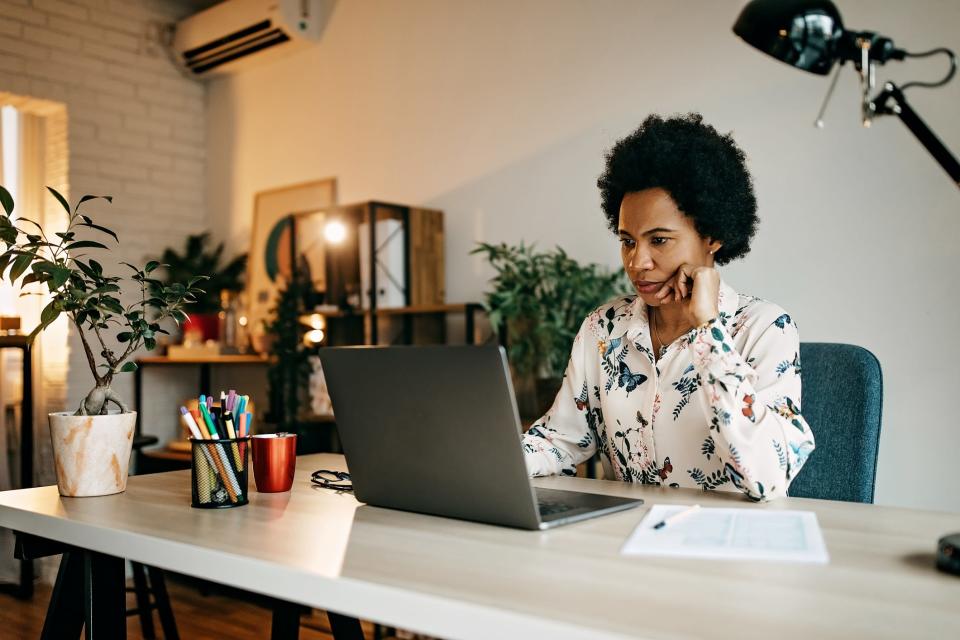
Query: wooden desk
x,y
457,579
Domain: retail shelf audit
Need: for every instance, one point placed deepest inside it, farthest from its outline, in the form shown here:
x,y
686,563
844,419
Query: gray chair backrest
x,y
842,400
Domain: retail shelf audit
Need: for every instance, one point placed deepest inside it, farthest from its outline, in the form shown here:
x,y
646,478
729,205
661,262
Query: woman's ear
x,y
713,246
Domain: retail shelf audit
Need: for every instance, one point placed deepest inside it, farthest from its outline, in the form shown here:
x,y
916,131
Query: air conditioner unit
x,y
221,38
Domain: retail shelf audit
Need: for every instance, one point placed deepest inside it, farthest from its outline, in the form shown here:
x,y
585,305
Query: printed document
x,y
730,534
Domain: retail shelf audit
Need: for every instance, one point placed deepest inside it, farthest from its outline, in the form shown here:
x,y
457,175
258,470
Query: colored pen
x,y
228,426
222,464
209,420
198,419
680,515
195,431
222,452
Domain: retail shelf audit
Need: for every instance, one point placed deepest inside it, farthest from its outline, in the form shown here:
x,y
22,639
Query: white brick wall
x,y
136,127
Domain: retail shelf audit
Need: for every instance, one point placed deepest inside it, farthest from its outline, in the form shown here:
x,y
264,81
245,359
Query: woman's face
x,y
655,239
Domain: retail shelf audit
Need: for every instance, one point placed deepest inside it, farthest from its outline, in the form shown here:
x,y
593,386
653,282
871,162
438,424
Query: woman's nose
x,y
640,261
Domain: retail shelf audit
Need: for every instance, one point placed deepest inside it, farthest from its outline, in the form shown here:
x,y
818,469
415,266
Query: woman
x,y
688,383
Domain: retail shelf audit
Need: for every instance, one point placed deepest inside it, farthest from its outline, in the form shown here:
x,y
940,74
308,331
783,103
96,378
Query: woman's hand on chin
x,y
696,289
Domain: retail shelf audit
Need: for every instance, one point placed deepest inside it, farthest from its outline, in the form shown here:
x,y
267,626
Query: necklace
x,y
656,332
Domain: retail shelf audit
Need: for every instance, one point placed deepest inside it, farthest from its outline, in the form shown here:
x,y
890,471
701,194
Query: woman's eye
x,y
627,242
658,240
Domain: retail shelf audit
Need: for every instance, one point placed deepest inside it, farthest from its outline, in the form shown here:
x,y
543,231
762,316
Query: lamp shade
x,y
807,34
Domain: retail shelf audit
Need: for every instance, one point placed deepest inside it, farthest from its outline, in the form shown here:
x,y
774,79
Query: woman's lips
x,y
645,286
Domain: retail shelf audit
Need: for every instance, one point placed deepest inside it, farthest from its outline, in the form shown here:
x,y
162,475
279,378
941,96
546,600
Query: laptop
x,y
435,430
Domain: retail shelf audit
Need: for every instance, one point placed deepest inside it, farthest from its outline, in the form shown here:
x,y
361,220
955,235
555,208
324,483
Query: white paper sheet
x,y
730,534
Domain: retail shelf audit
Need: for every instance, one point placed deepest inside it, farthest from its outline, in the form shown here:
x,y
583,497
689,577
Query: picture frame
x,y
272,239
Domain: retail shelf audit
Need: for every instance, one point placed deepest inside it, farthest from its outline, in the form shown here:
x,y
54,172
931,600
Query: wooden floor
x,y
198,617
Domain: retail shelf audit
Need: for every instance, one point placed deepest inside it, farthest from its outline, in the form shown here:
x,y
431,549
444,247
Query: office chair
x,y
842,401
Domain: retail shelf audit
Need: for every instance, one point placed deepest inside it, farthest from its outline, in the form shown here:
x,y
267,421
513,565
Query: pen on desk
x,y
680,515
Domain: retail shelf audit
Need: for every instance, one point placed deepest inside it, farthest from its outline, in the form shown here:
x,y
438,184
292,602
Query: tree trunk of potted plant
x,y
92,446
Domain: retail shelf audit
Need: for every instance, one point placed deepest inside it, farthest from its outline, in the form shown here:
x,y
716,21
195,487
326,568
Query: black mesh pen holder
x,y
218,472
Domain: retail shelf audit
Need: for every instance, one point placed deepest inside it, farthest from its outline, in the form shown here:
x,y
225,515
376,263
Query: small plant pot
x,y
92,453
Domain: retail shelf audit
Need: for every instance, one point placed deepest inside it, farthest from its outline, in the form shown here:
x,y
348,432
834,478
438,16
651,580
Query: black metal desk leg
x,y
286,621
142,592
65,611
344,627
158,585
104,597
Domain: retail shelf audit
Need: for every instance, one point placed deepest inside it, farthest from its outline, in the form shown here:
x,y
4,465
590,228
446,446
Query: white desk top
x,y
457,579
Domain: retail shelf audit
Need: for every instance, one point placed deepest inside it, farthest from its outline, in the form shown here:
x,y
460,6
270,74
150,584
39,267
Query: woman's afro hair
x,y
703,171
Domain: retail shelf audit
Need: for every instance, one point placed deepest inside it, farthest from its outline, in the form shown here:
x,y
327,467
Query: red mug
x,y
274,461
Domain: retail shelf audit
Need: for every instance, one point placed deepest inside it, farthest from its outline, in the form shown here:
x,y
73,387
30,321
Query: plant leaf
x,y
6,200
20,265
61,199
49,313
86,244
60,277
153,264
128,367
90,197
99,228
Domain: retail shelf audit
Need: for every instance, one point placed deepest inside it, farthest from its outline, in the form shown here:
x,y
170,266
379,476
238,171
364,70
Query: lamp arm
x,y
917,126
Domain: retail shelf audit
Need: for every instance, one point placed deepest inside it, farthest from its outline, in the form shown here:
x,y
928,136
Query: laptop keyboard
x,y
550,507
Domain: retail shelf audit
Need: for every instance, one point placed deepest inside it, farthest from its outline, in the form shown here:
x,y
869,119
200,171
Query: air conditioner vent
x,y
263,25
218,39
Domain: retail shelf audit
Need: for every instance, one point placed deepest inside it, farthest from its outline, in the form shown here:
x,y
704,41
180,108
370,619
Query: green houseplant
x,y
92,445
199,256
289,371
539,299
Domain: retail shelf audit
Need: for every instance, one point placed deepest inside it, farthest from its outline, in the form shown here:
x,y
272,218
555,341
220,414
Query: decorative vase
x,y
92,453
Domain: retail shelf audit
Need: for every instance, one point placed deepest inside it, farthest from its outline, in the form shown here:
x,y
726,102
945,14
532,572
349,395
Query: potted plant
x,y
91,446
198,258
538,302
289,371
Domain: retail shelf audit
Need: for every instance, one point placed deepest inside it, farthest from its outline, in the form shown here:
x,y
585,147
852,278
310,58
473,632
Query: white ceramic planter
x,y
92,453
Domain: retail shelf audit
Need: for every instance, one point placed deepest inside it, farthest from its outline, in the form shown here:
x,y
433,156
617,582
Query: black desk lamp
x,y
809,35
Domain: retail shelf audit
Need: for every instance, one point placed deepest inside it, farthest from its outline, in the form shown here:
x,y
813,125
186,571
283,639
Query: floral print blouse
x,y
719,410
